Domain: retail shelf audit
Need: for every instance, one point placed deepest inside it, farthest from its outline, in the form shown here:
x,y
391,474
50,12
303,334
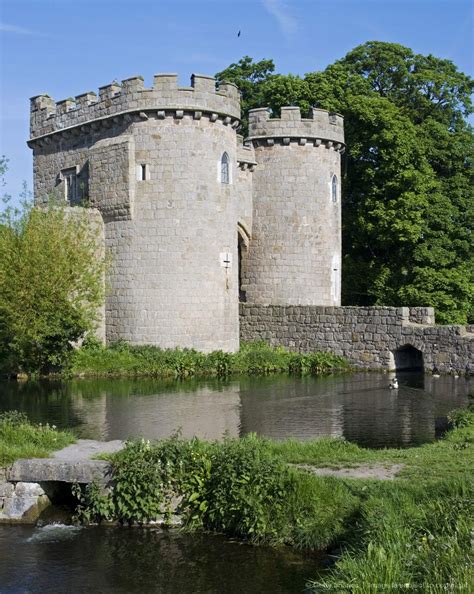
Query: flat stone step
x,y
40,470
85,449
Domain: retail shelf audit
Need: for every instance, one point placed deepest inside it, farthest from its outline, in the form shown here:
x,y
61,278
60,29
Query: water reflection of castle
x,y
358,407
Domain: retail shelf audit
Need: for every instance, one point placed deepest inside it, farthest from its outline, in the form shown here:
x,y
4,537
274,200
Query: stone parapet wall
x,y
322,127
245,154
422,315
49,116
366,336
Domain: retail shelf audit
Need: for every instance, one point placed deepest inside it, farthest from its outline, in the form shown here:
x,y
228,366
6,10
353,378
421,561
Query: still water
x,y
60,559
358,407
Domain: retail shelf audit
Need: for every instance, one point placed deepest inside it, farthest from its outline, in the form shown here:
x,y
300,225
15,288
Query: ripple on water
x,y
53,533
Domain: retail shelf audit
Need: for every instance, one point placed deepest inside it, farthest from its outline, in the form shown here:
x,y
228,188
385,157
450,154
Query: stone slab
x,y
39,470
85,449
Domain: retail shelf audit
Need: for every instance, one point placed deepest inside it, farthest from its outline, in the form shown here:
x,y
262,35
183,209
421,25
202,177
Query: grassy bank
x,y
400,535
450,457
21,439
124,360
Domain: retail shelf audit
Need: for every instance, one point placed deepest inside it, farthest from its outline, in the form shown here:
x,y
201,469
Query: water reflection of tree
x,y
43,401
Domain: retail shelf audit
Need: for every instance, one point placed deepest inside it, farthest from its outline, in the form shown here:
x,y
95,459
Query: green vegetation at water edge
x,y
391,535
236,487
122,359
51,285
19,438
450,457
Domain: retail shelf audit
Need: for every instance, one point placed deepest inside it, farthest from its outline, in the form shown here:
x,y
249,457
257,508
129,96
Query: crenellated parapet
x,y
131,99
321,128
245,154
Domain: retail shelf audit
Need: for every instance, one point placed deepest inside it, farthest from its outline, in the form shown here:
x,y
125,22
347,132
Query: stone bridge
x,y
387,338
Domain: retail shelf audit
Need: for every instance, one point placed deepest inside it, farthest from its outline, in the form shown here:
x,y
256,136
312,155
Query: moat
x,y
60,558
358,407
53,556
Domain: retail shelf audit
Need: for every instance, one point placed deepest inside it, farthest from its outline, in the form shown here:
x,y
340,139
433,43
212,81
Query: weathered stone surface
x,y
148,161
84,449
347,331
23,503
44,469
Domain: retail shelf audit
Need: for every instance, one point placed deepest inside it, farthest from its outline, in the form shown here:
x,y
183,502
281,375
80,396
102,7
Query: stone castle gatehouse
x,y
194,218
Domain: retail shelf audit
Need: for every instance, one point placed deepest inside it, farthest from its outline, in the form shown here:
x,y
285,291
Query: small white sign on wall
x,y
226,259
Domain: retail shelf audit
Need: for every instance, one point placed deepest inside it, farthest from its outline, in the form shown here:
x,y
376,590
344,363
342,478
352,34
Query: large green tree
x,y
407,172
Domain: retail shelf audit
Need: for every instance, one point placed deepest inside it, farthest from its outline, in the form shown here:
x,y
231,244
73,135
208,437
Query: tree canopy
x,y
407,170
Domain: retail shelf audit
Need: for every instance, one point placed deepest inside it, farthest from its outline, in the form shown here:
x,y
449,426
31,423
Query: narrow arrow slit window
x,y
225,169
334,188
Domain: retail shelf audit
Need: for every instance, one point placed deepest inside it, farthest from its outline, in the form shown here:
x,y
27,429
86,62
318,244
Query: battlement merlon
x,y
48,116
321,126
245,154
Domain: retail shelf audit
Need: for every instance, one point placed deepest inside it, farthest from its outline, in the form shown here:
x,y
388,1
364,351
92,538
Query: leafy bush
x,y
237,487
462,417
51,284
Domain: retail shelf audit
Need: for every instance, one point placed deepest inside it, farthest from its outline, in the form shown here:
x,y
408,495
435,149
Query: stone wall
x,y
171,234
368,336
169,284
119,99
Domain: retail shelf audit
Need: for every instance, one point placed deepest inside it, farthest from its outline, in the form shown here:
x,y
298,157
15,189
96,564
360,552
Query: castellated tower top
x,y
131,96
321,127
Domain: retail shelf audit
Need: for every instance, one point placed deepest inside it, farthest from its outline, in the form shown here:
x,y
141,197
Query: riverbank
x,y
258,358
410,532
413,529
19,438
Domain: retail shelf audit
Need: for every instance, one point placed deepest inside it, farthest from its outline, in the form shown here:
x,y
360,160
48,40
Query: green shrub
x,y
51,285
461,417
236,487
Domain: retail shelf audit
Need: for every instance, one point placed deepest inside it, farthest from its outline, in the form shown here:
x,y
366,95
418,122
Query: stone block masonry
x,y
369,337
187,226
194,218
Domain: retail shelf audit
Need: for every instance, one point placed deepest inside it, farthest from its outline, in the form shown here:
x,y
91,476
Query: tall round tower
x,y
294,257
161,166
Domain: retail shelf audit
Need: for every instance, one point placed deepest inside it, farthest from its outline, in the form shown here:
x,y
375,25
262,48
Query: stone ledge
x,y
39,470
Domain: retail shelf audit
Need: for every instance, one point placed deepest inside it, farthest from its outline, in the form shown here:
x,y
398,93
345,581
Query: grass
x,y
410,534
21,439
451,457
124,360
408,537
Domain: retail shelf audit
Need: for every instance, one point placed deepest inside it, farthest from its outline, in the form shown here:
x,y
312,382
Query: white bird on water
x,y
393,385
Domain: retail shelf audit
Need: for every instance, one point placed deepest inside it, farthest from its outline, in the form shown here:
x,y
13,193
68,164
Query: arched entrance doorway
x,y
407,357
243,239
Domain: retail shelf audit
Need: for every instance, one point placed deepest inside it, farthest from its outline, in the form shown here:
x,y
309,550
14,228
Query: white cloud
x,y
279,10
4,28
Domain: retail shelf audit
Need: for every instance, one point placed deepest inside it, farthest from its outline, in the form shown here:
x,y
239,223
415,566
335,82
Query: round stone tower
x,y
161,166
294,257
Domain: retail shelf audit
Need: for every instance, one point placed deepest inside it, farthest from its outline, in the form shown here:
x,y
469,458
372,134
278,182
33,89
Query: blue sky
x,y
65,47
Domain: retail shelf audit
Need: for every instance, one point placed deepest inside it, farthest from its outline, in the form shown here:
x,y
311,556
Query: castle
x,y
194,218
